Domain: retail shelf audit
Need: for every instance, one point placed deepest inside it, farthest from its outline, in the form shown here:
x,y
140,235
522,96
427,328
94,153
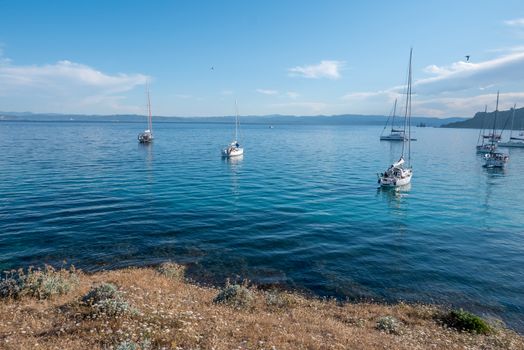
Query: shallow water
x,y
301,208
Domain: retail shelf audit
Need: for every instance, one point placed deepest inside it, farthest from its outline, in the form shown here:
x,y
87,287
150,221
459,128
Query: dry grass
x,y
173,314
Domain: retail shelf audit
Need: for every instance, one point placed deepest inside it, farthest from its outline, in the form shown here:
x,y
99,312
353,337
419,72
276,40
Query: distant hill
x,y
485,120
346,119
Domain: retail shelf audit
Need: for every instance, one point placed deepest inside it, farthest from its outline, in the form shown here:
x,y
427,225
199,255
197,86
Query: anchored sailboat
x,y
400,173
484,147
395,134
495,159
514,141
234,149
147,135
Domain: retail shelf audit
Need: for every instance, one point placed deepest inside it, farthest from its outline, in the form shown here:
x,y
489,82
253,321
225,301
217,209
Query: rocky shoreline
x,y
157,308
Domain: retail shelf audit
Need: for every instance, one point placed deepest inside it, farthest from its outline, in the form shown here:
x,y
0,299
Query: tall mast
x,y
512,120
407,112
495,120
149,121
393,119
481,131
236,121
410,78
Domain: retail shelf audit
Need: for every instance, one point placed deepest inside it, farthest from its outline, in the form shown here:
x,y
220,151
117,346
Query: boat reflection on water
x,y
495,171
394,195
234,161
234,165
147,150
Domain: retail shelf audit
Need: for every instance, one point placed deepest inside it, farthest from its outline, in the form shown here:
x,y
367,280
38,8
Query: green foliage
x,y
278,299
131,345
11,287
41,284
235,295
113,307
389,324
127,345
172,270
465,321
101,292
106,300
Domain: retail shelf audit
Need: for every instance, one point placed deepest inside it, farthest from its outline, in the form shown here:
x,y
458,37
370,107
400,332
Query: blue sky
x,y
274,57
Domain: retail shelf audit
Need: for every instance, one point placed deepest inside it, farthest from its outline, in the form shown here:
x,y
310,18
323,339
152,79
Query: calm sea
x,y
301,209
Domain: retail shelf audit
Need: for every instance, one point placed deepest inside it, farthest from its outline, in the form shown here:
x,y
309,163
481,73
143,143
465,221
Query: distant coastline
x,y
277,119
485,120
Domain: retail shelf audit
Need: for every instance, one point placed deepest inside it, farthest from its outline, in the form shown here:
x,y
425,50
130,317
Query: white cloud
x,y
518,22
466,106
267,92
517,48
78,88
460,76
325,69
227,92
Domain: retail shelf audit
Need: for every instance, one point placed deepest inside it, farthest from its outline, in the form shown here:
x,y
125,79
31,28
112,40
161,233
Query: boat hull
x,y
395,138
495,160
393,181
483,149
512,144
229,153
145,137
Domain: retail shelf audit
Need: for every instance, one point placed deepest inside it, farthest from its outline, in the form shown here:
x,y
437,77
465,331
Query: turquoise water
x,y
301,209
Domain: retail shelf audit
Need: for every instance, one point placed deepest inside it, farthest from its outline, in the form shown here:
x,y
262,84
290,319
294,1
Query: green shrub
x,y
127,345
113,307
41,284
131,345
278,299
235,295
105,299
172,270
11,287
101,292
389,324
465,321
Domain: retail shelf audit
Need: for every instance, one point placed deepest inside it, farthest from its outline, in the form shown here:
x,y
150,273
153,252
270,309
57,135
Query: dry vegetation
x,y
135,309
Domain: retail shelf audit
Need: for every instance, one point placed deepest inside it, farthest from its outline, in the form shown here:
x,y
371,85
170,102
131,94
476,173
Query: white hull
x,y
512,144
495,160
483,149
232,152
145,137
393,138
396,181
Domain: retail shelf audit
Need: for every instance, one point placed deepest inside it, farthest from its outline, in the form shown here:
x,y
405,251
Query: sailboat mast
x,y
236,121
481,131
407,112
410,78
512,120
149,121
393,119
495,120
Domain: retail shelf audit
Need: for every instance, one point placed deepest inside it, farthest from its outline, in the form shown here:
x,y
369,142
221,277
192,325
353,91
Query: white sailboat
x,y
147,135
400,173
234,149
514,141
495,159
394,134
482,146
